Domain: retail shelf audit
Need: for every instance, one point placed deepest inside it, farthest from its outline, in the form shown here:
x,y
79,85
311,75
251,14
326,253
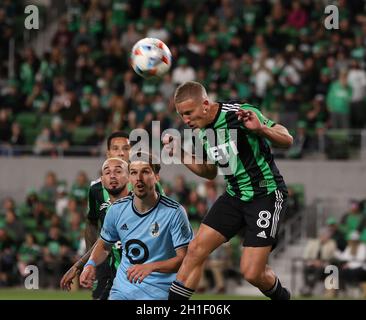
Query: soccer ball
x,y
151,58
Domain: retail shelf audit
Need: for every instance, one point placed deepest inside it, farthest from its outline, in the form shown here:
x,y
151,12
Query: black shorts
x,y
104,280
260,218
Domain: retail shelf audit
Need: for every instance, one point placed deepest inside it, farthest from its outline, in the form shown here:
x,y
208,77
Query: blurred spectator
x,y
5,129
293,205
351,220
338,102
14,227
7,204
297,17
61,200
60,98
27,71
158,31
218,261
181,191
318,254
95,114
55,258
353,262
317,113
28,254
183,72
16,139
7,260
79,189
167,87
130,37
11,99
43,144
357,81
141,115
300,143
63,36
48,191
59,137
96,140
336,234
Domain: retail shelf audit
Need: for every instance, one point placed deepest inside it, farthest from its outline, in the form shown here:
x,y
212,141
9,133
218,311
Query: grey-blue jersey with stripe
x,y
148,237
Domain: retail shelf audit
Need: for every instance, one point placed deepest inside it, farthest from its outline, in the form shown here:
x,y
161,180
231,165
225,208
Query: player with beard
x,y
114,180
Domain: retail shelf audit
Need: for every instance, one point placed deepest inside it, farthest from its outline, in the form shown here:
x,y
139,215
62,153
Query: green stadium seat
x,y
337,144
23,210
30,224
27,119
40,237
45,121
31,134
81,135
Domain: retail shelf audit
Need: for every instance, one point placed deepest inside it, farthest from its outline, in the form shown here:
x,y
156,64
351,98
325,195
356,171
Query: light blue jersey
x,y
149,237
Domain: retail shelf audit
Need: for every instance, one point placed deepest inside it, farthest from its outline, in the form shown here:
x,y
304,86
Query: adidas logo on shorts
x,y
262,235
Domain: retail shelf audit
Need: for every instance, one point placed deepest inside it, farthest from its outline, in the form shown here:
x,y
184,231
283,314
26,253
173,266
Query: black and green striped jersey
x,y
98,203
244,158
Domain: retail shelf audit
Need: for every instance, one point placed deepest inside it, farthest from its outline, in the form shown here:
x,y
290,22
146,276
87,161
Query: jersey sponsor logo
x,y
136,251
262,234
124,227
104,205
264,183
217,153
155,230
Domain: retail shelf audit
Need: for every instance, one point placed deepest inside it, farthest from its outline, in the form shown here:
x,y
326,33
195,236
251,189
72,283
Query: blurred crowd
x,y
274,54
47,230
341,243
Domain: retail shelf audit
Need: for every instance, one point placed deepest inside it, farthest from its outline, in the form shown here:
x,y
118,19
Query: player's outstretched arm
x,y
278,135
139,272
91,233
202,169
75,270
100,252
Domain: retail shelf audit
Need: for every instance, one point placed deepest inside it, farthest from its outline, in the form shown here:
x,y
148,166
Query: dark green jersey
x,y
98,203
244,158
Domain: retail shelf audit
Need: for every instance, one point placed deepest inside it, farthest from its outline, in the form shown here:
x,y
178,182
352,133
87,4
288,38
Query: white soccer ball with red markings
x,y
151,57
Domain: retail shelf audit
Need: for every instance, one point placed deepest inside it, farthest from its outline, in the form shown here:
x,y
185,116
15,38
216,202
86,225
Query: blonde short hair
x,y
189,90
